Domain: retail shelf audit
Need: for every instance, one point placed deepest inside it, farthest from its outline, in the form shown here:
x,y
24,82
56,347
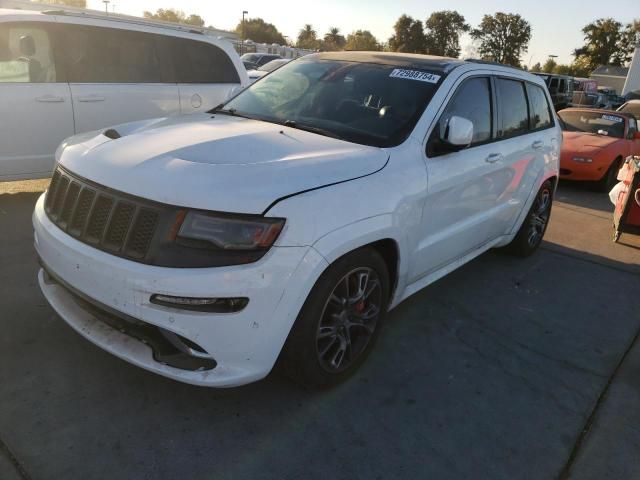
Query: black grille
x,y
101,217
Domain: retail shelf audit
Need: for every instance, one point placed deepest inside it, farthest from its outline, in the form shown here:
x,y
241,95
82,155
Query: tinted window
x,y
26,54
109,55
514,113
540,110
473,102
363,103
200,62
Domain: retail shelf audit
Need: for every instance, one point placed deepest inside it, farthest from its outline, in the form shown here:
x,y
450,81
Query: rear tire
x,y
532,230
339,322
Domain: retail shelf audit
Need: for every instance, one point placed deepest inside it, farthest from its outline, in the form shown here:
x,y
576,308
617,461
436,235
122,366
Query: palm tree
x,y
307,37
333,40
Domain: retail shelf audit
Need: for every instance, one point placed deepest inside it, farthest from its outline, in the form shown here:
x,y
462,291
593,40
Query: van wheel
x,y
532,231
339,322
609,180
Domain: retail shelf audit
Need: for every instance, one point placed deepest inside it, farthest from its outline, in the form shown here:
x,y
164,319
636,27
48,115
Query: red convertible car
x,y
595,143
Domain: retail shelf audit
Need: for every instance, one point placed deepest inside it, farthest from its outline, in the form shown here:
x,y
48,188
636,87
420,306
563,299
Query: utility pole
x,y
244,12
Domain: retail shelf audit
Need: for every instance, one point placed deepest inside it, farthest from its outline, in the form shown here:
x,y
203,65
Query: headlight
x,y
224,232
582,159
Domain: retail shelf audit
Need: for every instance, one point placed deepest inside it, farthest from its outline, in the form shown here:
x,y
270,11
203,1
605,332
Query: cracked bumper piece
x,y
94,292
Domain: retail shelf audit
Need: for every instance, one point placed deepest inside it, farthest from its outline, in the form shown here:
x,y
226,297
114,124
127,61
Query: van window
x,y
26,54
539,107
514,112
109,55
201,62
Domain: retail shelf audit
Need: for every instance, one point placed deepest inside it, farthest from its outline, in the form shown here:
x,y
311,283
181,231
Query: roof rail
x,y
133,20
491,62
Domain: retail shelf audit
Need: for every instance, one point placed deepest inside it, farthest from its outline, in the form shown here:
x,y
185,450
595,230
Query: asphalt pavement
x,y
505,369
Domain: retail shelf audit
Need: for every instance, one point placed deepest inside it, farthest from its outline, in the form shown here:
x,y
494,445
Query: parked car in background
x,y
596,142
283,225
610,99
249,65
560,87
267,68
632,107
64,73
259,59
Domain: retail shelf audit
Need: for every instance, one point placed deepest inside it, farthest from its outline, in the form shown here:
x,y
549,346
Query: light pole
x,y
244,12
106,6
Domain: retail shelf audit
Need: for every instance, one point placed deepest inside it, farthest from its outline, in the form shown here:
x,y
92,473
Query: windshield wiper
x,y
312,129
231,112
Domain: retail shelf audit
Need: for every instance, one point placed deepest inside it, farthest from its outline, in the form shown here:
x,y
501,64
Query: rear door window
x,y
109,55
541,117
513,108
26,54
201,62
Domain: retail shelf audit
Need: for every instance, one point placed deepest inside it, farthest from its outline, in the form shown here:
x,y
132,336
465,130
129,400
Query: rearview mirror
x,y
457,132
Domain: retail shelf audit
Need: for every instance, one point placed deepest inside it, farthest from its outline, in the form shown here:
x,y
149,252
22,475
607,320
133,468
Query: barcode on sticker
x,y
415,75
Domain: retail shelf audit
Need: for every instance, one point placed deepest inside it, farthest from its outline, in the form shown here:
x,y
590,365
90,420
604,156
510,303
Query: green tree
x,y
628,39
443,30
362,40
549,65
260,31
333,40
603,39
537,68
408,36
503,37
68,3
176,16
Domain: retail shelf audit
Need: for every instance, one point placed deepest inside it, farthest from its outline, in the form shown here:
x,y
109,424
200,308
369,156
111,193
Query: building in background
x,y
610,76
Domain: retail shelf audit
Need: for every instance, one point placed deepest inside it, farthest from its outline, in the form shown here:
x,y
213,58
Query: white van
x,y
63,73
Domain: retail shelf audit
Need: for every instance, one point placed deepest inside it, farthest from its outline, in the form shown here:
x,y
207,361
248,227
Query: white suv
x,y
63,73
285,224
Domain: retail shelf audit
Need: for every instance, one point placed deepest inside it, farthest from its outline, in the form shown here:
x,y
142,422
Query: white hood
x,y
222,163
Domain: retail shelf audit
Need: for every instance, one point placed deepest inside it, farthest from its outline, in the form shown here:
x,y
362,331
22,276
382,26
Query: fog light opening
x,y
209,305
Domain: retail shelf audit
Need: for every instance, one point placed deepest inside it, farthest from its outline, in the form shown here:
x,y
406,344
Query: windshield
x,y
363,103
272,65
593,122
250,57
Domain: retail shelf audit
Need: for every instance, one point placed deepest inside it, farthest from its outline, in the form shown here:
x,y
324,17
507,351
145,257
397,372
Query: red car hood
x,y
578,141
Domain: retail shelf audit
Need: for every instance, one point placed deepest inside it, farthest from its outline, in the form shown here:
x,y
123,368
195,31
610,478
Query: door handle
x,y
493,158
538,144
49,99
91,98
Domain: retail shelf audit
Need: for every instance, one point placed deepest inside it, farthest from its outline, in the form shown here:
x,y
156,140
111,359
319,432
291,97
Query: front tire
x,y
610,178
339,322
532,230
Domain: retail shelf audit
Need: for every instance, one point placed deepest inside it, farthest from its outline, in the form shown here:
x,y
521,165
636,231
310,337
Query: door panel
x,y
116,76
35,104
97,106
36,117
463,186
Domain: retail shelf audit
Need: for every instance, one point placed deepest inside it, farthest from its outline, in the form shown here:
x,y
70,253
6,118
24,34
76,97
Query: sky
x,y
556,25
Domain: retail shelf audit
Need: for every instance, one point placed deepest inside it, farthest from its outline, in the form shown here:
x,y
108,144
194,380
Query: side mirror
x,y
457,132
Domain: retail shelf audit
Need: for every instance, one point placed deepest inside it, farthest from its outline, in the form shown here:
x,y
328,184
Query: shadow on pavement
x,y
582,194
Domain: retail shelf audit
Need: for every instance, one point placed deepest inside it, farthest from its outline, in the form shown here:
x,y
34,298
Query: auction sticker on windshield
x,y
613,118
415,75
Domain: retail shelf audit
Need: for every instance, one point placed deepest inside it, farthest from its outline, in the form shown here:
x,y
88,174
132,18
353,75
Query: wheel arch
x,y
375,232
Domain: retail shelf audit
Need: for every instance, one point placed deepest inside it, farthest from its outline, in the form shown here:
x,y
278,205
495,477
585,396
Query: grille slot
x,y
101,217
139,242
